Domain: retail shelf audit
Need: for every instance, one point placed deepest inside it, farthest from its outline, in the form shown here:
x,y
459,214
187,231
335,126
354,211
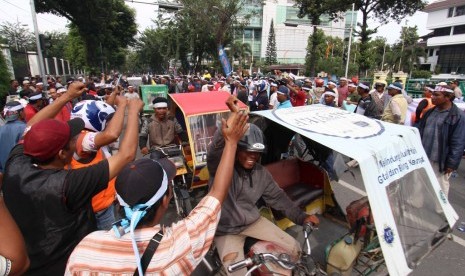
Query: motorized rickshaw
x,y
200,113
409,213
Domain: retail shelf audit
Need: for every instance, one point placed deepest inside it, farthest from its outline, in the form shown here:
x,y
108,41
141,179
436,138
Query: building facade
x,y
291,32
446,42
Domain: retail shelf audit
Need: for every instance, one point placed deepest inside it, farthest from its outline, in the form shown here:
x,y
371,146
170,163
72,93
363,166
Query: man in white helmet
x,y
91,148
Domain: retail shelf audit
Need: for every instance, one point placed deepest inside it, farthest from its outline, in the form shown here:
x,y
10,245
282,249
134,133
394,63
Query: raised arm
x,y
113,130
232,130
128,146
75,90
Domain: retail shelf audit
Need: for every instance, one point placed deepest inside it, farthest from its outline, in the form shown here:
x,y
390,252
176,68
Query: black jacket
x,y
452,137
239,209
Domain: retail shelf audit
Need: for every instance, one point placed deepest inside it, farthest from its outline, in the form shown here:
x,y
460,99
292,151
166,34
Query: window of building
x,y
451,12
431,51
442,31
459,29
452,59
460,10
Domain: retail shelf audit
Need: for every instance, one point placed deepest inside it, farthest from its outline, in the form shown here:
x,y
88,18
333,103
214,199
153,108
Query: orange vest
x,y
106,197
428,107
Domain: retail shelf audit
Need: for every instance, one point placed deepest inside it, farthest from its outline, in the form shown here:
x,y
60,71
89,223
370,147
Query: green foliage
x,y
4,80
103,24
58,42
241,52
18,37
75,49
421,74
314,9
329,55
271,55
382,11
192,35
411,51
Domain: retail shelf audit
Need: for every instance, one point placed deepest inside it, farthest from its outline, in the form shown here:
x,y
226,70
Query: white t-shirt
x,y
131,95
274,100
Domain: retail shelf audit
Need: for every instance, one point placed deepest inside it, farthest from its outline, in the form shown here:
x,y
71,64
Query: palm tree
x,y
241,52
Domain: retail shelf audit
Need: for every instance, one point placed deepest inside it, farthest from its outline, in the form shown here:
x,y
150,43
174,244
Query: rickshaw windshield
x,y
417,213
202,129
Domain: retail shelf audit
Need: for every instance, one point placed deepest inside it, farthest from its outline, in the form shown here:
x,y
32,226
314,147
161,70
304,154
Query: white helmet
x,y
95,114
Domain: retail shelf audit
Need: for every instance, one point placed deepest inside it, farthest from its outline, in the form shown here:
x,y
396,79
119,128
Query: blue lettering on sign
x,y
388,235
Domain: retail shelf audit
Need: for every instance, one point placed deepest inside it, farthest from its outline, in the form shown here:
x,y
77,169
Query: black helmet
x,y
252,140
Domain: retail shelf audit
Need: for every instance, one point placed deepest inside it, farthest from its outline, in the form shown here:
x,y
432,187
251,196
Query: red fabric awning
x,y
202,102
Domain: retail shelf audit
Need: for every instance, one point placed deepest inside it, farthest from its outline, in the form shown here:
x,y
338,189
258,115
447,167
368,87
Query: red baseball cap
x,y
46,138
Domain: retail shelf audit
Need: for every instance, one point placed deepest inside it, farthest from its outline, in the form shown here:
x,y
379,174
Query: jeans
x,y
105,218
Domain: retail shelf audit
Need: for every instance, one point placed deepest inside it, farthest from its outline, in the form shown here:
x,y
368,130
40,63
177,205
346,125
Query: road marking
x,y
458,240
353,188
455,238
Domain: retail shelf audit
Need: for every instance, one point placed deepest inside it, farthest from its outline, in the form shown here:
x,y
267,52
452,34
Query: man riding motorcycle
x,y
240,217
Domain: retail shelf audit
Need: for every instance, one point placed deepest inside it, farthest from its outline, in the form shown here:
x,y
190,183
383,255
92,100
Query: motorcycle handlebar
x,y
309,227
239,265
259,259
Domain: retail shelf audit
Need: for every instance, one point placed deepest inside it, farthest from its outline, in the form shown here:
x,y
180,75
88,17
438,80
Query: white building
x,y
292,32
446,43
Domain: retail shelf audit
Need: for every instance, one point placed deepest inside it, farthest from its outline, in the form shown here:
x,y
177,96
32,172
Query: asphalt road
x,y
449,257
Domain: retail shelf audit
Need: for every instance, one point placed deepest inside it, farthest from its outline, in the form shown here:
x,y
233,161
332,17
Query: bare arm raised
x,y
233,129
128,146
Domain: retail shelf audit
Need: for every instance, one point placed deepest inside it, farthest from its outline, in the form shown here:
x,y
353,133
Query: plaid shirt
x,y
182,248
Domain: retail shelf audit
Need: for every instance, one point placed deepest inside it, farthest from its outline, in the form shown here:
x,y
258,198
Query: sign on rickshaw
x,y
412,215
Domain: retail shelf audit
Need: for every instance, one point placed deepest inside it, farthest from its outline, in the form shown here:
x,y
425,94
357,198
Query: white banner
x,y
405,197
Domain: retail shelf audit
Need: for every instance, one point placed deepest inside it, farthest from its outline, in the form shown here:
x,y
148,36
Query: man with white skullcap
x,y
12,131
442,131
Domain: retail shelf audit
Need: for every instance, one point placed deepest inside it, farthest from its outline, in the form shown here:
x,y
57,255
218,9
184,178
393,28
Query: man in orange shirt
x,y
91,148
144,193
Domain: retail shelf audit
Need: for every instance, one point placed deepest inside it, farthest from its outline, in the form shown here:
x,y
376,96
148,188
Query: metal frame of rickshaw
x,y
383,237
213,103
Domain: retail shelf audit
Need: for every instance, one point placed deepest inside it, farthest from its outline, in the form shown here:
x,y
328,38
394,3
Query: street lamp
x,y
15,36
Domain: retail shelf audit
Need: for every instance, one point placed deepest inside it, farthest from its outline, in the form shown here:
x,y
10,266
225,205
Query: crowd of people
x,y
64,174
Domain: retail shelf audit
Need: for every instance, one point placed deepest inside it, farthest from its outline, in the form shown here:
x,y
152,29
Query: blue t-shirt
x,y
10,134
285,104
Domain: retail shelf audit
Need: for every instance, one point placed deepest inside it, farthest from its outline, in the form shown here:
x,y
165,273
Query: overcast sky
x,y
20,10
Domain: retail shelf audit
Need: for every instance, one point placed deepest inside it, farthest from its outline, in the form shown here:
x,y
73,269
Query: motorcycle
x,y
261,262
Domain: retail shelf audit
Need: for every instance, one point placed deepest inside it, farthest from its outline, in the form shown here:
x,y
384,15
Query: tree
x,y
330,52
75,50
271,57
412,51
241,51
314,9
58,42
18,37
102,25
207,24
4,80
383,11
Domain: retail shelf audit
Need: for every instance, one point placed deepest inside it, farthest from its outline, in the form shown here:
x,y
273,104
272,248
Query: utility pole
x,y
403,41
39,51
350,39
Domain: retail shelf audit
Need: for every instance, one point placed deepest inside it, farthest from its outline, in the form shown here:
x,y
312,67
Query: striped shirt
x,y
182,248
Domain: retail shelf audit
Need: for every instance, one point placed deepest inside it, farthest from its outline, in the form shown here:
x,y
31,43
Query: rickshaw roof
x,y
202,102
386,153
